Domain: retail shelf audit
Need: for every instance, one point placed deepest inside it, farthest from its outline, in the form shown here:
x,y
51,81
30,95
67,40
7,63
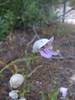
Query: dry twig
x,y
34,70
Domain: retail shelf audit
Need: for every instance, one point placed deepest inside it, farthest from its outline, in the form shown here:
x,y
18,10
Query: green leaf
x,y
43,96
53,95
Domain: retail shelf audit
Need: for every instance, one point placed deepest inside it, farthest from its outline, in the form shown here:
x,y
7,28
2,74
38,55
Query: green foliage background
x,y
25,13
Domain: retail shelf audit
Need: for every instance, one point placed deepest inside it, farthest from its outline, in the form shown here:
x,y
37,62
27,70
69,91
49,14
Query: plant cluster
x,y
25,13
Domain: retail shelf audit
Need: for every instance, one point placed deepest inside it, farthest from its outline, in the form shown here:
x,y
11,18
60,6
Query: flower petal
x,y
47,53
48,45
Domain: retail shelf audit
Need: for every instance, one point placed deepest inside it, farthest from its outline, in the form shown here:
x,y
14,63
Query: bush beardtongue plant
x,y
45,48
18,77
21,81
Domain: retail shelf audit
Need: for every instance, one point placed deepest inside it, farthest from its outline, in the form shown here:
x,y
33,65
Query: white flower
x,y
22,98
16,80
13,94
63,91
40,43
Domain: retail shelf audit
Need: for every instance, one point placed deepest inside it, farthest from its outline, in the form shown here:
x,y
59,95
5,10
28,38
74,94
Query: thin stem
x,y
34,30
13,62
33,71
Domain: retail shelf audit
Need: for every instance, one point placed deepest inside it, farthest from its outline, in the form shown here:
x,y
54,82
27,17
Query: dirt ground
x,y
53,73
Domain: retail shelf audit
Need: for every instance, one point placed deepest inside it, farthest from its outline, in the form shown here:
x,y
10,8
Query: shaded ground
x,y
52,74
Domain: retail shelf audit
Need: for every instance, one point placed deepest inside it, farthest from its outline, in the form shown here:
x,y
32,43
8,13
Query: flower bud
x,y
16,80
13,94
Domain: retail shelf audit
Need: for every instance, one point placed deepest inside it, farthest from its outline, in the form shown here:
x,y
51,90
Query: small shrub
x,y
6,24
24,13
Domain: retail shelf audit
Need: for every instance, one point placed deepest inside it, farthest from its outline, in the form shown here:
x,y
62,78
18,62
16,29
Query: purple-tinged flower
x,y
44,42
49,43
63,91
45,48
47,53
